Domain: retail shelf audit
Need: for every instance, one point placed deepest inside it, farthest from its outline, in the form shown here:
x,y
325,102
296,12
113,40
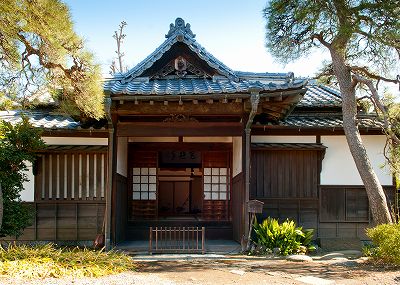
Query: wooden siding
x,y
344,211
304,211
287,182
64,221
71,176
284,174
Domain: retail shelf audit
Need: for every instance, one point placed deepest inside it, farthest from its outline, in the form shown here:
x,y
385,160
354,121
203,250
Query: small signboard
x,y
180,158
255,206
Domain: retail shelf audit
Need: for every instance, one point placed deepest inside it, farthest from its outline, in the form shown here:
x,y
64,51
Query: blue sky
x,y
232,30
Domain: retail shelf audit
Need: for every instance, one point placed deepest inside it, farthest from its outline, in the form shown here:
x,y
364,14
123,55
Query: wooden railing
x,y
177,240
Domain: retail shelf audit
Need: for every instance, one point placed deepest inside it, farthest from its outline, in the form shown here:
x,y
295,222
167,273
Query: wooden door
x,y
173,198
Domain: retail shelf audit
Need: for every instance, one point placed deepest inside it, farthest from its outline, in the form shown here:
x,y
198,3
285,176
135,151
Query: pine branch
x,y
321,39
389,129
30,50
364,70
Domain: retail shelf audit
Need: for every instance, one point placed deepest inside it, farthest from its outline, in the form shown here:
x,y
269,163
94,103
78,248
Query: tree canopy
x,y
41,54
363,40
365,32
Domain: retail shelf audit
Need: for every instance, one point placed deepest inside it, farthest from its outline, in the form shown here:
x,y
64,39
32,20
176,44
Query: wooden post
x,y
156,238
183,237
250,228
151,240
197,238
203,237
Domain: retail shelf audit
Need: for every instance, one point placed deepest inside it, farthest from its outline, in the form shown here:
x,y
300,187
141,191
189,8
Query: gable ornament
x,y
180,28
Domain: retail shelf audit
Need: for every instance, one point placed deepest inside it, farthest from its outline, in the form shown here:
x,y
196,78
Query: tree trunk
x,y
376,195
1,206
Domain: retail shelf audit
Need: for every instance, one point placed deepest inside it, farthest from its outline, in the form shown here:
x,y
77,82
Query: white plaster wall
x,y
153,139
28,194
122,156
338,167
74,141
283,139
208,139
237,155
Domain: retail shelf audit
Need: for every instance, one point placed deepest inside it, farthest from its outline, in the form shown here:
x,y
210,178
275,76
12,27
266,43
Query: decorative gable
x,y
180,56
181,66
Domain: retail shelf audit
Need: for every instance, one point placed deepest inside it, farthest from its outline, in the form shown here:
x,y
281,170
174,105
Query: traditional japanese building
x,y
188,142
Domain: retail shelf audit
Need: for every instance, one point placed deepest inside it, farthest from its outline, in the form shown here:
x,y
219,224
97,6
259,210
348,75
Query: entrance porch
x,y
184,183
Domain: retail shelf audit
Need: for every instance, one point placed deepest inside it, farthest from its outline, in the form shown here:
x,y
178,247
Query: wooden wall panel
x,y
143,158
284,174
344,211
303,211
215,159
64,221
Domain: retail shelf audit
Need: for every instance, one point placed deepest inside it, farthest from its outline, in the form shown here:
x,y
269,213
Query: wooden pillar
x,y
114,189
112,123
244,215
109,187
246,160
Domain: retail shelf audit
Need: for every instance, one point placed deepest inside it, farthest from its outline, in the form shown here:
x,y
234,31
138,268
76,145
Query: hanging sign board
x,y
179,158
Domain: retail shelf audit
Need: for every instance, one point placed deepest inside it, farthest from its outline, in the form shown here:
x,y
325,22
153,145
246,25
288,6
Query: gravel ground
x,y
240,271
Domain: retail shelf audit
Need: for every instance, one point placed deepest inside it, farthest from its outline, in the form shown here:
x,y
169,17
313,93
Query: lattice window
x,y
144,181
71,176
216,183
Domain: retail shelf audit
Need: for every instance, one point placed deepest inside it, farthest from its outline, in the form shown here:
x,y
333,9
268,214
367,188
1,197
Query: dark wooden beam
x,y
195,129
192,107
76,133
290,131
184,146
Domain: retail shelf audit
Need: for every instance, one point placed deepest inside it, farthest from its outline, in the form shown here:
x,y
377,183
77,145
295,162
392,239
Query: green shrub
x,y
18,144
287,237
386,239
23,261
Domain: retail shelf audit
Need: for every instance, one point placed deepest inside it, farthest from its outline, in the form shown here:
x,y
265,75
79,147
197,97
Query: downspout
x,y
254,100
107,233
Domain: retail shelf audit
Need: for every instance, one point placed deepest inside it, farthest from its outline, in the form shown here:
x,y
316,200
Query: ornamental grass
x,y
42,261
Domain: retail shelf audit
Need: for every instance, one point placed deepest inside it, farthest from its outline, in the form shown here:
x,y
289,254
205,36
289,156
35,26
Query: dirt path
x,y
269,272
238,271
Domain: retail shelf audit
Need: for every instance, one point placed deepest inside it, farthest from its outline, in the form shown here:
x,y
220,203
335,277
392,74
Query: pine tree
x,y
40,52
363,40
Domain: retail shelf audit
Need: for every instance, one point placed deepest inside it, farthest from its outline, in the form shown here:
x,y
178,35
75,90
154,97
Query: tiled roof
x,y
194,86
46,120
40,119
328,121
321,96
277,146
